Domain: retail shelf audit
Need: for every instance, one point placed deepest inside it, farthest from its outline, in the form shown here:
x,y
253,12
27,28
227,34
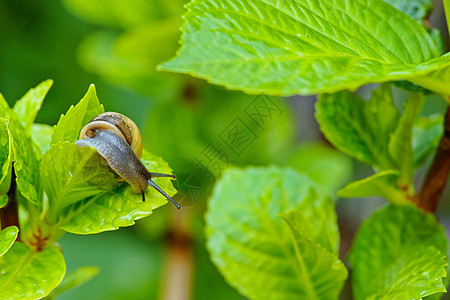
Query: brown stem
x,y
436,178
9,214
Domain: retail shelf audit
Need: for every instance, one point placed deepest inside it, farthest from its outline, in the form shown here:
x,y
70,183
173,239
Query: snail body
x,y
118,140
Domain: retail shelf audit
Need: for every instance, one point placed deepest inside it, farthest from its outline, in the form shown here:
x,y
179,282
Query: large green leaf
x,y
8,236
302,46
399,253
323,164
70,173
255,250
70,124
30,104
28,274
119,207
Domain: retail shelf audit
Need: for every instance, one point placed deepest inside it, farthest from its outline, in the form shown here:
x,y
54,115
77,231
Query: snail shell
x,y
120,125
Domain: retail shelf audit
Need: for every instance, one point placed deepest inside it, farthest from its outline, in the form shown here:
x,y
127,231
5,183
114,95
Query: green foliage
x,y
382,184
21,149
399,253
70,124
41,134
7,238
119,207
29,274
309,160
70,173
334,43
69,187
360,128
400,142
376,133
5,156
29,105
258,253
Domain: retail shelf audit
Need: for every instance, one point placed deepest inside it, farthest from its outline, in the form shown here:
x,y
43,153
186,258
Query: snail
x,y
118,140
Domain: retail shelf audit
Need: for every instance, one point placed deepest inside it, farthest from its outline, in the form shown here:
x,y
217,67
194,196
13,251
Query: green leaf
x,y
357,127
29,105
26,164
427,132
399,253
308,252
436,80
70,173
27,274
70,124
75,278
304,47
400,143
416,9
119,207
252,246
324,165
8,236
42,134
382,184
6,154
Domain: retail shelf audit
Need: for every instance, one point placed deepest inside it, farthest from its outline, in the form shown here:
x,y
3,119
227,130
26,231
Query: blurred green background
x,y
116,45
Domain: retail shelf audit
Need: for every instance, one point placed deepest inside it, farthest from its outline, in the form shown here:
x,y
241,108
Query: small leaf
x,y
382,184
357,127
399,253
119,207
6,154
27,274
305,47
70,124
324,165
427,132
30,104
26,164
42,134
70,173
22,153
400,143
8,236
252,246
74,279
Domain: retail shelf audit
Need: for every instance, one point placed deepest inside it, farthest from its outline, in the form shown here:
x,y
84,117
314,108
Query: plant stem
x,y
436,178
9,214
